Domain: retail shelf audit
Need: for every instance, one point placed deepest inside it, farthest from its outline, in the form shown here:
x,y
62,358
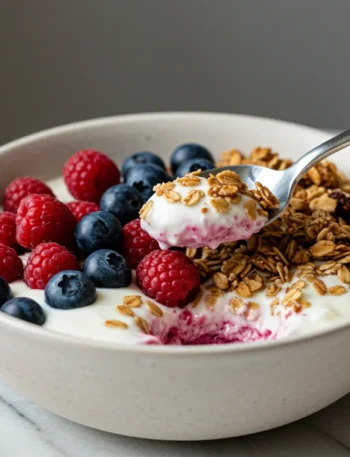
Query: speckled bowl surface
x,y
172,393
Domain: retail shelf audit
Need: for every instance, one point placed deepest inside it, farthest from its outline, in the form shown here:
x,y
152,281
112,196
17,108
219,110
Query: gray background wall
x,y
66,60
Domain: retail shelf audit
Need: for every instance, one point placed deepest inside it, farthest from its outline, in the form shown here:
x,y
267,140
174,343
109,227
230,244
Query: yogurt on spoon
x,y
195,212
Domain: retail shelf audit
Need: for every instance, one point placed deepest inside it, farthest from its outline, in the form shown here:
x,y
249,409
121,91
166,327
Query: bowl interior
x,y
43,154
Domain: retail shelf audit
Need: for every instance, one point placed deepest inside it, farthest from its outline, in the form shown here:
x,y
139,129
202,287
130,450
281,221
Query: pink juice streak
x,y
212,235
191,329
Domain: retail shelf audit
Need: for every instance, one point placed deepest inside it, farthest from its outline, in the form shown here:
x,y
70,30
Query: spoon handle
x,y
311,158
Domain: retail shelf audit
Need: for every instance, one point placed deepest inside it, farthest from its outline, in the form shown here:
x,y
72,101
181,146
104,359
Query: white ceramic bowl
x,y
173,393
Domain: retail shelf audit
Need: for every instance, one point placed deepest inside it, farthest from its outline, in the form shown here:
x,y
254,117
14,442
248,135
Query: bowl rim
x,y
39,333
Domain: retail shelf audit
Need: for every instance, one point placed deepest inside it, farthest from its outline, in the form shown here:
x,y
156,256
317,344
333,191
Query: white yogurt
x,y
89,322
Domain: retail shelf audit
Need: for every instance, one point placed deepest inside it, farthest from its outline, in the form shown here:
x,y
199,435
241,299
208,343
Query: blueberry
x,y
189,151
26,309
193,165
107,268
141,158
70,289
5,291
144,177
123,201
97,230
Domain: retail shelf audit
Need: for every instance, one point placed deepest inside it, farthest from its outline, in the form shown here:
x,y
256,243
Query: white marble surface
x,y
28,431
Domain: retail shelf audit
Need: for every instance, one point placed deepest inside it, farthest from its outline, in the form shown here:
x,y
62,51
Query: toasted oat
x,y
159,189
142,324
126,310
322,248
193,197
292,296
229,178
320,287
265,197
172,197
236,304
154,309
191,252
220,281
220,204
273,290
300,284
250,209
146,208
315,176
197,299
344,274
134,301
115,324
323,203
189,180
243,290
337,290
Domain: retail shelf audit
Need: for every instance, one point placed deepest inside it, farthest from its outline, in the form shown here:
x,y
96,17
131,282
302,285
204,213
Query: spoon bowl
x,y
283,183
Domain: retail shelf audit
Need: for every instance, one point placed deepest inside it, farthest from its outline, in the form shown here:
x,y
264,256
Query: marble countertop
x,y
28,431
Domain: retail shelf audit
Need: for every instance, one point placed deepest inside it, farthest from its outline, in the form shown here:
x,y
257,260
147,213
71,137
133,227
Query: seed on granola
x,y
319,287
146,208
193,197
142,324
134,301
344,274
189,181
126,310
154,309
220,280
171,196
220,204
204,210
250,209
115,324
337,290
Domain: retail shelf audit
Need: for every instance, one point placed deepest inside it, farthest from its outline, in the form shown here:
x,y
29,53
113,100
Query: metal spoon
x,y
282,183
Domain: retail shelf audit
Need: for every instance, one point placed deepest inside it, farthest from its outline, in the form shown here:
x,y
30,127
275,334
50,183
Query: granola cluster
x,y
309,241
224,189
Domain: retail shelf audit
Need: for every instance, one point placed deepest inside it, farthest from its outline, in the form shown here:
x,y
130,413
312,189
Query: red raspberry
x,y
45,261
136,243
88,173
81,209
8,229
169,277
11,266
20,188
42,218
